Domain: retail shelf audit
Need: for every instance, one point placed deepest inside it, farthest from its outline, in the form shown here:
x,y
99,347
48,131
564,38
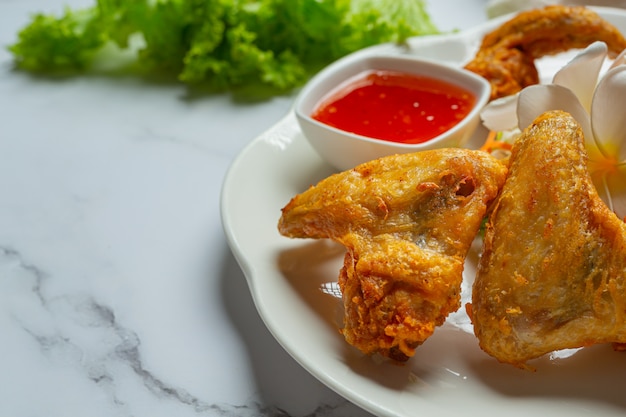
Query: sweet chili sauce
x,y
396,106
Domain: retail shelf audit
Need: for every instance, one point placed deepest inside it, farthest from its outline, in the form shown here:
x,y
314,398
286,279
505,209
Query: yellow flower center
x,y
609,177
600,165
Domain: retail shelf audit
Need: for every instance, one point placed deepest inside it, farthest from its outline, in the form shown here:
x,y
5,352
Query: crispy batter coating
x,y
407,222
506,56
553,269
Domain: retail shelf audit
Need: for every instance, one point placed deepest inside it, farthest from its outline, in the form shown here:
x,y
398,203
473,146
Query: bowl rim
x,y
353,65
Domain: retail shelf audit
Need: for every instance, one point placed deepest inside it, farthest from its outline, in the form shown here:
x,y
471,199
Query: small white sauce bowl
x,y
344,150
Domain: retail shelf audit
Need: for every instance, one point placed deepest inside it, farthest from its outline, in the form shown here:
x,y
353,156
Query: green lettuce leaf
x,y
218,44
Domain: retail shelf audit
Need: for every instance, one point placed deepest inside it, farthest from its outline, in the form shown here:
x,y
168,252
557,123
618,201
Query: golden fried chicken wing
x,y
507,70
407,222
553,270
506,56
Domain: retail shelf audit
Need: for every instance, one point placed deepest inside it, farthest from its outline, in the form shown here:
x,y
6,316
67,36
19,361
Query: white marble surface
x,y
118,293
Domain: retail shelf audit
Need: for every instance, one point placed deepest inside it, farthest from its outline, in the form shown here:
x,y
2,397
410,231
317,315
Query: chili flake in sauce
x,y
396,106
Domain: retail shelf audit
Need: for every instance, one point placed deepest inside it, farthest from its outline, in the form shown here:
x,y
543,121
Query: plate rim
x,y
470,35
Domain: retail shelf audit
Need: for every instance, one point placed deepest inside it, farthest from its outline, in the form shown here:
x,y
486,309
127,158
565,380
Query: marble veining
x,y
118,294
80,332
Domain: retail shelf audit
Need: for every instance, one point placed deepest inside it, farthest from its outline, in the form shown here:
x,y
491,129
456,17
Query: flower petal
x,y
618,193
619,60
581,74
538,99
612,190
619,205
500,114
608,111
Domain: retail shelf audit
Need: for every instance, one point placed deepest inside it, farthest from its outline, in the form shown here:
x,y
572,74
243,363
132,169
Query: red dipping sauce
x,y
396,106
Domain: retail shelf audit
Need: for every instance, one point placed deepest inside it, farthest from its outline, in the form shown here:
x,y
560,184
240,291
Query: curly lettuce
x,y
221,44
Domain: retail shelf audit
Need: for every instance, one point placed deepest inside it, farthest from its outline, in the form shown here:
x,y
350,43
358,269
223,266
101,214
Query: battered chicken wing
x,y
407,222
507,55
553,269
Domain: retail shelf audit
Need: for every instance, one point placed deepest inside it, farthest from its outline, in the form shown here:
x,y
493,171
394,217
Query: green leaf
x,y
221,44
65,44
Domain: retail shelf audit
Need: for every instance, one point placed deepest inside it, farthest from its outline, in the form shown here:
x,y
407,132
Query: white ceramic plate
x,y
292,281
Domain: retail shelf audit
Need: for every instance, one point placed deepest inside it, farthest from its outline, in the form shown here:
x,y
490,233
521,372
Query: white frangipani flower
x,y
597,103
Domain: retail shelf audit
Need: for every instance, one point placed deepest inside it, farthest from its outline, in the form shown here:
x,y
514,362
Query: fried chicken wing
x,y
506,56
407,222
553,269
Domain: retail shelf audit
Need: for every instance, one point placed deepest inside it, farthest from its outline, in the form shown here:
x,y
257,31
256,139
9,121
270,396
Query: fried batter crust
x,y
506,56
553,269
407,222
